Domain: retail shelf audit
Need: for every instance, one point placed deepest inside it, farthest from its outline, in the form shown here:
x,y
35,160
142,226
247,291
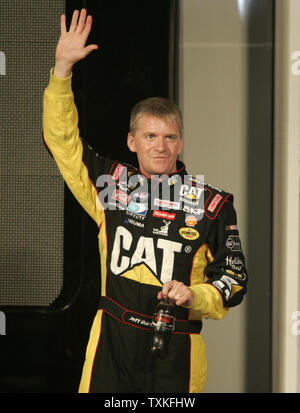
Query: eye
x,y
171,138
150,136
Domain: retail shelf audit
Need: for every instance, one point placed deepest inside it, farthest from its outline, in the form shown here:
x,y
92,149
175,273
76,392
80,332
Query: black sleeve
x,y
227,270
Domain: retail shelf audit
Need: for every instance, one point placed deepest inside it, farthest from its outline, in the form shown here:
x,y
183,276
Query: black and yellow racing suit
x,y
150,231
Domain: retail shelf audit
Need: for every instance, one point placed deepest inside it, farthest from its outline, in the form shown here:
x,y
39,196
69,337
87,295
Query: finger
x,y
74,20
186,298
171,288
176,290
178,293
88,49
182,300
81,22
166,288
88,25
63,28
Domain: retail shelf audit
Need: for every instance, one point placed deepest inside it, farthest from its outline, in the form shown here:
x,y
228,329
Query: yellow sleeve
x,y
61,136
207,303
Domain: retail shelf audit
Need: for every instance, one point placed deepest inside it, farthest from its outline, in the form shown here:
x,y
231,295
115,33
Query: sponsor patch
x,y
139,224
140,196
214,203
139,216
233,242
191,221
164,214
137,208
227,286
117,171
190,195
189,233
188,249
191,210
236,274
120,196
231,228
163,230
234,262
166,204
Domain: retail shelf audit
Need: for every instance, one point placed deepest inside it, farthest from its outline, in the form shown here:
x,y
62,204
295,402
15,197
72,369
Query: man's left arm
x,y
227,270
226,274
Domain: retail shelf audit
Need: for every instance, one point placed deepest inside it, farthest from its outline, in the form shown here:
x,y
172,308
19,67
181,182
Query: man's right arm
x,y
60,117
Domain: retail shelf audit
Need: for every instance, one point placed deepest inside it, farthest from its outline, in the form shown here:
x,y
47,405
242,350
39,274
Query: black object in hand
x,y
163,325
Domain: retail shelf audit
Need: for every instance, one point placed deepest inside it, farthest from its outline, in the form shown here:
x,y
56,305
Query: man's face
x,y
157,143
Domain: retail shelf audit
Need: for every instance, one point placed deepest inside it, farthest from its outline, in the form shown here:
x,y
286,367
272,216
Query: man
x,y
162,234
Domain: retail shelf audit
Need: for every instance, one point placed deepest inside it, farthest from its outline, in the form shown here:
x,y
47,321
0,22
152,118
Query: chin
x,y
161,170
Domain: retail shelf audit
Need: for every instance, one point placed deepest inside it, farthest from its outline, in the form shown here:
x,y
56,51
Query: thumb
x,y
88,49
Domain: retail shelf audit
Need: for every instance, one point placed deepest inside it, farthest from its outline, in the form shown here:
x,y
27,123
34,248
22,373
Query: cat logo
x,y
125,255
191,197
192,192
189,233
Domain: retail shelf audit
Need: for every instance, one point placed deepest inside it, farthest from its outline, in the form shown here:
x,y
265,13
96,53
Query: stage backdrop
x,y
31,236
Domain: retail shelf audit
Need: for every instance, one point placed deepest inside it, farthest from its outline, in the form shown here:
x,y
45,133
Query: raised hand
x,y
71,45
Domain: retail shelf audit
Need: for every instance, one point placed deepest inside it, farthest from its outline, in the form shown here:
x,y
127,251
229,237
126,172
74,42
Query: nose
x,y
160,144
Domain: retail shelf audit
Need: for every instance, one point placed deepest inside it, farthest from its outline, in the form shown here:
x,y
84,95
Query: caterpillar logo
x,y
189,233
125,255
191,192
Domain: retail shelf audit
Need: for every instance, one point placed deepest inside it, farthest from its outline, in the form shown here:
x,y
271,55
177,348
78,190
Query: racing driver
x,y
162,234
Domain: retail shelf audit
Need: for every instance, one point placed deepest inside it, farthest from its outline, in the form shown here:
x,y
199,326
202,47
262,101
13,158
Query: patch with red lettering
x,y
120,196
163,214
117,171
215,201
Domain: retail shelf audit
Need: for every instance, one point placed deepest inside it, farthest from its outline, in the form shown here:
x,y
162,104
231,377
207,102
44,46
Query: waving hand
x,y
71,45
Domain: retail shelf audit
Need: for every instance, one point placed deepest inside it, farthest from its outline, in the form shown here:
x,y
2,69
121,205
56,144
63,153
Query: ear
x,y
131,142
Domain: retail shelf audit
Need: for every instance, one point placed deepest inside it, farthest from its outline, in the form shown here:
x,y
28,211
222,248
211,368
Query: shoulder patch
x,y
121,170
214,200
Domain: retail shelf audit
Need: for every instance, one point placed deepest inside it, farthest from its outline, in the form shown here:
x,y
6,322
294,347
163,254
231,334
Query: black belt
x,y
142,321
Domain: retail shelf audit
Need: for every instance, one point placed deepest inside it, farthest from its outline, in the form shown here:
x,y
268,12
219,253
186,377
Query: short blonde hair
x,y
156,106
